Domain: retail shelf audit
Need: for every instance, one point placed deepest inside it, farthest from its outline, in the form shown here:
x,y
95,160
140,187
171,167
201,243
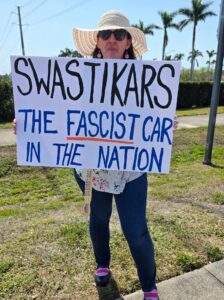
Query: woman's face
x,y
112,48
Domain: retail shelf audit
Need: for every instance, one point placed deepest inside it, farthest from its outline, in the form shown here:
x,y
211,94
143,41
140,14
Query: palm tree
x,y
210,55
193,56
167,20
168,57
198,12
69,53
210,62
178,56
146,29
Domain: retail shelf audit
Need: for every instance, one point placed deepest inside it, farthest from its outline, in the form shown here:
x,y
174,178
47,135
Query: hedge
x,y
6,99
197,94
190,94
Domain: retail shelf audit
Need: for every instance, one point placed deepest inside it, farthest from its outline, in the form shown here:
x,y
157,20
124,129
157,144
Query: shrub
x,y
6,99
189,262
214,253
197,94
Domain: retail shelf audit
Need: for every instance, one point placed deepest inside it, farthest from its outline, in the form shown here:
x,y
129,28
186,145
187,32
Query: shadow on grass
x,y
217,166
210,164
111,292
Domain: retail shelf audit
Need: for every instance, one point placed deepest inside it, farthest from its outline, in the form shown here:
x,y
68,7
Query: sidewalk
x,y
7,137
197,121
206,283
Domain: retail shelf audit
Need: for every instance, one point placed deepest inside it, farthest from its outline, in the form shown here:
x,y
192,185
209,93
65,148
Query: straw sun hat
x,y
86,39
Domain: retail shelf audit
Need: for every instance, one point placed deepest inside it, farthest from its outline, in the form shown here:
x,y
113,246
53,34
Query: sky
x,y
47,26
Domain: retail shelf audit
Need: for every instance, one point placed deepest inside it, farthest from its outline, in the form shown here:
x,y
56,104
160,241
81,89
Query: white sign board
x,y
95,113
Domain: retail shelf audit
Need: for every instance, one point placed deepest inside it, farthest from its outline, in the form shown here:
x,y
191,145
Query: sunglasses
x,y
119,34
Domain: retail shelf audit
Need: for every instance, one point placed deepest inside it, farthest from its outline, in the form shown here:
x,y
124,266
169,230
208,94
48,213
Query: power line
x,y
10,16
74,6
80,3
28,3
35,8
12,24
4,59
70,8
20,28
14,46
6,25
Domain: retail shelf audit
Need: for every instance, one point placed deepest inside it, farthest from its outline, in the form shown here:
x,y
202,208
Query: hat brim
x,y
86,39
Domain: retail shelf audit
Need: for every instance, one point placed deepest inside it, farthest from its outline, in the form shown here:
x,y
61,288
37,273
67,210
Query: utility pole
x,y
215,90
21,30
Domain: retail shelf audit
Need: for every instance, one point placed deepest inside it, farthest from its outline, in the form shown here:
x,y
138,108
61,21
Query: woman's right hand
x,y
14,126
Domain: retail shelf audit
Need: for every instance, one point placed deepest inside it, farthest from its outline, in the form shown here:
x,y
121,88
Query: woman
x,y
115,38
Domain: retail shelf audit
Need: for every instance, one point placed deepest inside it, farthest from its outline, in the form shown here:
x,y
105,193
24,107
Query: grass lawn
x,y
45,250
6,125
198,111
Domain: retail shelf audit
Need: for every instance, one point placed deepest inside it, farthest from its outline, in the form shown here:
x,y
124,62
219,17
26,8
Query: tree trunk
x,y
164,45
192,53
209,66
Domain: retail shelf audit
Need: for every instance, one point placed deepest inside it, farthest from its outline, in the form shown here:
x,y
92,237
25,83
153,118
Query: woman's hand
x,y
175,123
14,126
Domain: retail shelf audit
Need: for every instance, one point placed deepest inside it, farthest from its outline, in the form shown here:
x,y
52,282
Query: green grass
x,y
218,197
189,262
6,125
198,111
5,266
45,249
36,184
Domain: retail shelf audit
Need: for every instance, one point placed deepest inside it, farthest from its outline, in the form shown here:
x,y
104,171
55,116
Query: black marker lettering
x,y
80,83
16,66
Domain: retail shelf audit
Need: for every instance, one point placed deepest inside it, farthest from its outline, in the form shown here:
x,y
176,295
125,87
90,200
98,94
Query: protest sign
x,y
95,113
